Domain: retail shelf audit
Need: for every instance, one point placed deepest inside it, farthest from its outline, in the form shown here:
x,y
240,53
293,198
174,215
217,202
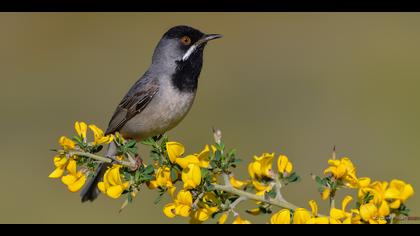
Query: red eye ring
x,y
186,40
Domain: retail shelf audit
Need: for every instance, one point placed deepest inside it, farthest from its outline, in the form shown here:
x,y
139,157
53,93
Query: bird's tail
x,y
90,192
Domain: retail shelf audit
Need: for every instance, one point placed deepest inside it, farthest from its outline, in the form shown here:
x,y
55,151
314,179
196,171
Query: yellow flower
x,y
301,216
398,192
185,161
261,166
236,183
318,220
201,159
60,163
191,176
204,157
240,221
254,211
67,143
163,178
261,188
113,185
81,129
206,209
75,179
344,170
281,217
325,194
175,150
181,206
377,189
371,214
99,136
315,219
284,165
223,218
340,215
203,214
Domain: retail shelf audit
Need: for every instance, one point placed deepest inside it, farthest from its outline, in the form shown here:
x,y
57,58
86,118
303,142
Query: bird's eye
x,y
186,40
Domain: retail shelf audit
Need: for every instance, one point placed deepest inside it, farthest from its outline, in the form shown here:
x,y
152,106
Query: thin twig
x,y
251,196
235,203
226,179
100,158
195,204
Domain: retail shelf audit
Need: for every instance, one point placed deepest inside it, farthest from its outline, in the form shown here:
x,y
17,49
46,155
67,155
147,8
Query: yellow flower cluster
x,y
261,169
385,197
201,197
112,184
191,177
75,179
382,198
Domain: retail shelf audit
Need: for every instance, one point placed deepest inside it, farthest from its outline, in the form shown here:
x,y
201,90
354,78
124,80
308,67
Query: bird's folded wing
x,y
133,103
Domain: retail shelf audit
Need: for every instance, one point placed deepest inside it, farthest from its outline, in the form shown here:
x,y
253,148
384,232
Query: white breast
x,y
167,108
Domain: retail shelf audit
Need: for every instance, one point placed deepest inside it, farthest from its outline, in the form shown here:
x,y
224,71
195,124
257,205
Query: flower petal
x,y
204,157
57,173
102,187
314,207
174,150
184,162
77,185
68,179
347,199
169,210
191,176
407,192
240,221
115,191
281,217
301,216
223,218
71,167
81,129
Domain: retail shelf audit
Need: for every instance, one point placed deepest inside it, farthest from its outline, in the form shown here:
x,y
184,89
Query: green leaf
x,y
232,152
78,139
319,180
174,174
213,164
292,178
204,172
148,142
217,155
146,178
272,193
131,143
137,175
149,170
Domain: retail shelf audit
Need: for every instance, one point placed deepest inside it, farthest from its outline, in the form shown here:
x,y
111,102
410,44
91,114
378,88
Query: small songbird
x,y
162,97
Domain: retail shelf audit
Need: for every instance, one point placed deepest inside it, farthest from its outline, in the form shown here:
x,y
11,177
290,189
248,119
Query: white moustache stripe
x,y
189,52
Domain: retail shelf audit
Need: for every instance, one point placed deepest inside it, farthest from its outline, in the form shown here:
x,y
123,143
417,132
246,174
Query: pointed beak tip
x,y
209,37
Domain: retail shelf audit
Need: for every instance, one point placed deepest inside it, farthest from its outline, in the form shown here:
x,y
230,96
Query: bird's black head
x,y
180,52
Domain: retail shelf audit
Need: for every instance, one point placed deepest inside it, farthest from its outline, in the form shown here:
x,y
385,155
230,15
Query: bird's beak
x,y
209,37
204,39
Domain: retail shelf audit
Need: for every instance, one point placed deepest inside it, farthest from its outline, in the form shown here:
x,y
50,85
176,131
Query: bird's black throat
x,y
185,78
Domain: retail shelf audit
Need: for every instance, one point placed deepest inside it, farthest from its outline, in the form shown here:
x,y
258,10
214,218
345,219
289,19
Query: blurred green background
x,y
292,83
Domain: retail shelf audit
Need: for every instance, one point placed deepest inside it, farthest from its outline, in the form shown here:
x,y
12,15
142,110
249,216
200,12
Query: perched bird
x,y
162,97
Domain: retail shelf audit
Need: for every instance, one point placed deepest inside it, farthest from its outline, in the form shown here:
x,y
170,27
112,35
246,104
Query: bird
x,y
162,97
